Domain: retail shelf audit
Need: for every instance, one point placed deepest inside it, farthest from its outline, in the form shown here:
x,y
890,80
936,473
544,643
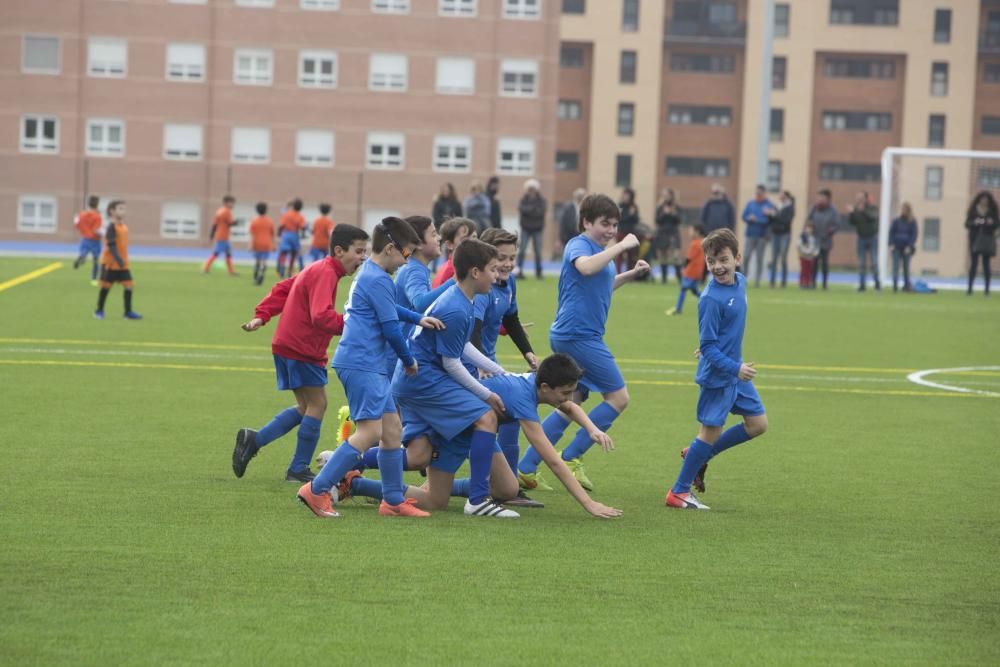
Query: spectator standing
x,y
446,206
781,234
982,221
492,190
627,224
667,241
826,221
757,215
808,249
902,242
569,218
718,211
477,206
532,217
863,216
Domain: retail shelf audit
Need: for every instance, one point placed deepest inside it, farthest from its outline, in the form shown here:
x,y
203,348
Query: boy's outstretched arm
x,y
270,305
576,414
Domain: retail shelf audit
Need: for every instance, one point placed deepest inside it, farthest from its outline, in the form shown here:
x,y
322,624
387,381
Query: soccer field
x,y
861,529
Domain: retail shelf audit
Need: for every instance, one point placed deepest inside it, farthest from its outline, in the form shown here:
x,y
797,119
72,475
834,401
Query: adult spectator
x,y
477,206
569,218
718,211
863,216
982,221
492,190
446,205
532,218
781,235
667,241
757,216
826,221
627,224
902,242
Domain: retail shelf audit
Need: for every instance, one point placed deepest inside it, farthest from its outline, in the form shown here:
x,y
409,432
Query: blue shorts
x,y
715,404
222,248
316,254
290,243
90,247
261,255
448,409
368,394
600,372
449,455
293,373
688,283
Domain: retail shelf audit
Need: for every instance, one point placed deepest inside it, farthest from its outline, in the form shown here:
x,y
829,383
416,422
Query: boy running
x,y
88,224
321,228
290,246
694,270
221,226
261,242
114,261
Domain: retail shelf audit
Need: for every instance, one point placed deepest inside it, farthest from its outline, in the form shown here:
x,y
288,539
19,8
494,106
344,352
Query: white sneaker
x,y
489,508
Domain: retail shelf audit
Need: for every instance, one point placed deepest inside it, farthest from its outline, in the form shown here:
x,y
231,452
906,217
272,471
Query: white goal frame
x,y
884,212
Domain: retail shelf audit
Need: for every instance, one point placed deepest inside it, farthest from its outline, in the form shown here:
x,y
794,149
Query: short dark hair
x,y
450,227
826,193
699,230
297,204
93,201
229,199
393,230
558,370
420,223
761,186
324,208
344,236
472,254
496,236
719,240
598,206
261,208
113,204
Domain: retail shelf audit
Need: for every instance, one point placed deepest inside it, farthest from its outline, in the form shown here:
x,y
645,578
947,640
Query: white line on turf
x,y
918,378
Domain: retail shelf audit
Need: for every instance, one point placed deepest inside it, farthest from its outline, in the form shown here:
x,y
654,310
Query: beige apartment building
x,y
370,105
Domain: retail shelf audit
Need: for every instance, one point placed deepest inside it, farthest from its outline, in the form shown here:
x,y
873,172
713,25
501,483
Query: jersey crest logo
x,y
731,301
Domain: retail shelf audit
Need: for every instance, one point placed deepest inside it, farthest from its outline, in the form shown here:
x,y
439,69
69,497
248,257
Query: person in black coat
x,y
492,190
780,228
982,220
569,218
446,206
627,224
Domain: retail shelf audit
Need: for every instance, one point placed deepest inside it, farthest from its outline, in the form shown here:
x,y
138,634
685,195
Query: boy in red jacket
x,y
309,321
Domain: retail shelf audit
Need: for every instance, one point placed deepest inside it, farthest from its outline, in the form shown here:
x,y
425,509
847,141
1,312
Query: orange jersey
x,y
695,267
292,221
322,226
117,233
88,223
223,221
262,234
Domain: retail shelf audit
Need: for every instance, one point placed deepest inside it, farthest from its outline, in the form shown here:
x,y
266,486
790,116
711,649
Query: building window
x,y
864,12
773,175
314,148
36,214
185,62
697,166
695,115
849,171
630,15
318,69
522,9
623,170
456,76
253,67
930,239
571,57
388,72
567,161
627,66
179,220
781,12
40,134
626,119
181,142
702,62
933,183
860,68
105,137
452,153
935,131
255,3
569,110
861,121
988,178
251,145
942,26
990,125
391,6
518,78
40,55
459,8
385,150
991,72
777,124
107,57
779,72
515,156
939,79
574,6
320,5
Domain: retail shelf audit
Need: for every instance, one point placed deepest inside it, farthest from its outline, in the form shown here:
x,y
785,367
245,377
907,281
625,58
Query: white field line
x,y
918,378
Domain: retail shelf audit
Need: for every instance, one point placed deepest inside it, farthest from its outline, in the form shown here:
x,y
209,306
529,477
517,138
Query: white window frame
x,y
385,140
934,187
389,79
37,144
184,151
458,159
317,79
314,158
40,70
522,86
390,6
320,5
107,68
458,8
188,2
257,4
442,67
105,148
522,10
517,163
245,155
180,220
254,76
36,224
182,67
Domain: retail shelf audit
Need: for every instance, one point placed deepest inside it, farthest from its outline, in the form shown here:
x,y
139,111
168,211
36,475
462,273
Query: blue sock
x,y
602,415
734,435
480,459
554,426
282,423
699,452
460,488
390,466
343,460
93,271
680,300
370,458
507,437
370,488
305,448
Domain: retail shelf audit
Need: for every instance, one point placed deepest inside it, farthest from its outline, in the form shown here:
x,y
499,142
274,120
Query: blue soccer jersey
x,y
584,301
520,398
722,316
502,301
370,303
412,280
429,346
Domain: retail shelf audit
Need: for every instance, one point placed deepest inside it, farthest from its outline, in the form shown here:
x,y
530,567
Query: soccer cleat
x,y
580,472
489,508
406,508
98,314
93,283
532,481
344,488
245,449
699,480
306,475
320,504
344,425
522,500
684,501
132,315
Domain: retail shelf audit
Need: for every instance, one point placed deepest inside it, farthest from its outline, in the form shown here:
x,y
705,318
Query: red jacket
x,y
446,271
309,319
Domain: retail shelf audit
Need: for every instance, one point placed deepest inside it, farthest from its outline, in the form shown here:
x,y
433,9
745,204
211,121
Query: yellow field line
x,y
125,343
37,273
129,364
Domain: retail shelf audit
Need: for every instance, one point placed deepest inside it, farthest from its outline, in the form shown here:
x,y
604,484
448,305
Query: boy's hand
x,y
697,353
602,511
641,268
602,439
532,360
495,402
431,323
411,370
629,242
253,325
747,371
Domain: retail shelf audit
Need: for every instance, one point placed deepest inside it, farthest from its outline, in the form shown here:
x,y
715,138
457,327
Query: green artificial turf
x,y
861,529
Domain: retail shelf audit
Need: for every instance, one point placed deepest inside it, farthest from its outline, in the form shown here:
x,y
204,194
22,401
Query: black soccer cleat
x,y
245,449
300,476
522,500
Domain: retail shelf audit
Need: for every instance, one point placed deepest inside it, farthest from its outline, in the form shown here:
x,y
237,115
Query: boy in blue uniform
x,y
371,329
724,378
586,283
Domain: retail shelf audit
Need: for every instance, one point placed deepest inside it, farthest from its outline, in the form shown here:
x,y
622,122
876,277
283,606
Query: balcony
x,y
704,33
989,41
